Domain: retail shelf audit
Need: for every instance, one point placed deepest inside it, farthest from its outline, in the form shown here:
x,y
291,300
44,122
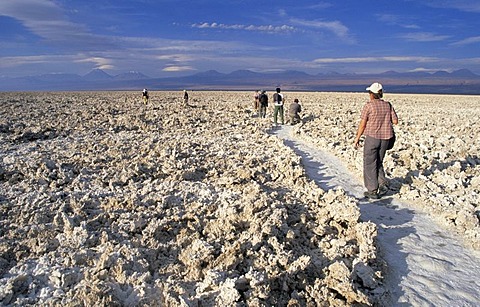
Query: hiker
x,y
263,100
376,122
185,97
278,106
293,111
145,95
256,102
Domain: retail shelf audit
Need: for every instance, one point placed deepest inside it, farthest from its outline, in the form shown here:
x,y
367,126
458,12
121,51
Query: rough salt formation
x,y
105,201
435,164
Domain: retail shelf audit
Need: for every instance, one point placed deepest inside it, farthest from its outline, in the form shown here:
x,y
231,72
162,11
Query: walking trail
x,y
427,264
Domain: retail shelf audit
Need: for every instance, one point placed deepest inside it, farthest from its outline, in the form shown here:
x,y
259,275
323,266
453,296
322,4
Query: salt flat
x,y
104,199
426,263
435,163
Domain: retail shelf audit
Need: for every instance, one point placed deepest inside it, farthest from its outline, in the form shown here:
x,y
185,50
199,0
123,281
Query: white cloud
x,y
265,28
320,6
24,60
461,5
376,59
397,20
468,41
174,57
424,37
30,9
100,62
335,27
178,68
422,69
44,18
176,46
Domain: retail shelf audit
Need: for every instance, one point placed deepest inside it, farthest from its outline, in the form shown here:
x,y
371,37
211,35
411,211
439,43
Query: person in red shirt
x,y
377,120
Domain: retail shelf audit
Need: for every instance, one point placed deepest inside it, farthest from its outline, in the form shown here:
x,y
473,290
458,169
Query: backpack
x,y
264,99
277,97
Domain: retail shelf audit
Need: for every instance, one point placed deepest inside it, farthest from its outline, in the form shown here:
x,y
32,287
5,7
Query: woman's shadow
x,y
393,222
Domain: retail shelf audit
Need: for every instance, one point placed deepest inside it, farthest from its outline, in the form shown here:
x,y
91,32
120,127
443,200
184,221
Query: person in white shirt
x,y
145,95
278,106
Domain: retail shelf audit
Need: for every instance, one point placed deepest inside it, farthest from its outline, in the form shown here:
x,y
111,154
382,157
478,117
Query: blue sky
x,y
173,37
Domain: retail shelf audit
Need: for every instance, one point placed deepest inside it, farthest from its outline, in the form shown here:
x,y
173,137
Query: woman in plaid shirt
x,y
376,122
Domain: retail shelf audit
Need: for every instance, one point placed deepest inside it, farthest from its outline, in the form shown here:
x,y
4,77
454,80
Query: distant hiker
x,y
256,102
145,95
185,97
263,100
278,106
377,120
293,111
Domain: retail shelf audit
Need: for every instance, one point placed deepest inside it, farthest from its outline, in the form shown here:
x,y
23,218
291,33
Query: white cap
x,y
375,88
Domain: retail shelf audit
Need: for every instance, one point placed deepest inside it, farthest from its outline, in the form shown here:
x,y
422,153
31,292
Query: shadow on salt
x,y
393,223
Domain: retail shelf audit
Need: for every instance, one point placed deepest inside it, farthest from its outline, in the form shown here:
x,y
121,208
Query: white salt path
x,y
427,264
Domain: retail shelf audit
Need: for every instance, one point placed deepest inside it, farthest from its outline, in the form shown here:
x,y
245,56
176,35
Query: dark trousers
x,y
263,111
373,153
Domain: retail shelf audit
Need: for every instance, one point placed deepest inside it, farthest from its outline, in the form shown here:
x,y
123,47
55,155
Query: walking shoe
x,y
382,190
371,195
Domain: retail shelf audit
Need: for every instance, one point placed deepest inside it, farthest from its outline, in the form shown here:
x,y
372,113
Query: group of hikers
x,y
145,96
261,104
376,124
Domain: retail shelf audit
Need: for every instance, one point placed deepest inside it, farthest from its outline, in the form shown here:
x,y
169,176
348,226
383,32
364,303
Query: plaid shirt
x,y
379,115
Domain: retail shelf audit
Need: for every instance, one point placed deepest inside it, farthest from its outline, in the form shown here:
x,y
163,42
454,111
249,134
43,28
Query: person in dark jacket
x,y
185,97
263,99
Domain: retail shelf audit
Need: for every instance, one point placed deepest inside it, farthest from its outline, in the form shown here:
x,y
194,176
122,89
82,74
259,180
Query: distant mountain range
x,y
461,81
